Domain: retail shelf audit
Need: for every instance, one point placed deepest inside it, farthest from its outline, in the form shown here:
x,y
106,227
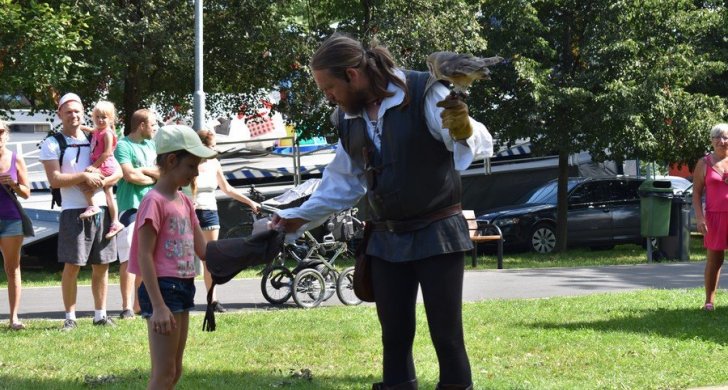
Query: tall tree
x,y
411,29
142,53
138,53
37,45
611,78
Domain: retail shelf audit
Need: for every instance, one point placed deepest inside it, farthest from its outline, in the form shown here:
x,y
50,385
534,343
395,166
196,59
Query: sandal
x,y
708,307
17,326
115,228
89,212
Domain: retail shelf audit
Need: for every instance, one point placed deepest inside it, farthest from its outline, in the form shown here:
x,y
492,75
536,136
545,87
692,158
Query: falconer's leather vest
x,y
411,180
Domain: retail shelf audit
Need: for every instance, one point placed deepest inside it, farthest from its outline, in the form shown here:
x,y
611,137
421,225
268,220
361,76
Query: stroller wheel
x,y
345,287
330,277
309,288
276,285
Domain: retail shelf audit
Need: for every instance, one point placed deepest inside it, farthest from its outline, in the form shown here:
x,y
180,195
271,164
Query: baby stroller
x,y
314,278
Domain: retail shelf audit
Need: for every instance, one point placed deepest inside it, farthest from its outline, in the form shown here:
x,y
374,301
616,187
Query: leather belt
x,y
411,225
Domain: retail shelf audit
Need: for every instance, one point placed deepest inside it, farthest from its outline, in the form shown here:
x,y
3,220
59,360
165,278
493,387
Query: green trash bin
x,y
655,204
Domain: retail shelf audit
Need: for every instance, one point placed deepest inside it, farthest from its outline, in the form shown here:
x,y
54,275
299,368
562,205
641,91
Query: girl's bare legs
x,y
166,352
111,204
184,326
712,273
88,194
137,284
210,235
92,209
10,248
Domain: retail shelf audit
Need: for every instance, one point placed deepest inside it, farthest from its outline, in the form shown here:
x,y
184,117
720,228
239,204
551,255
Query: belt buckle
x,y
390,225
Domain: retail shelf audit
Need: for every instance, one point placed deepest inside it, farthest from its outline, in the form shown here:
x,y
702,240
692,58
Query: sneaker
x,y
68,325
126,314
218,307
89,212
115,228
106,321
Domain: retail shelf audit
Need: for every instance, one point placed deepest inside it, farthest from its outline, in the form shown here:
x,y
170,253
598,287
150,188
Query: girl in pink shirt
x,y
103,143
166,238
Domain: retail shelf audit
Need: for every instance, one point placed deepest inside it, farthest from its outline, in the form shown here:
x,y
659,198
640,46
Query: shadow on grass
x,y
199,309
52,277
682,324
212,379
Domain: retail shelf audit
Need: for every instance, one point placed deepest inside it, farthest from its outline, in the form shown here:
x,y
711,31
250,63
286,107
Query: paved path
x,y
244,294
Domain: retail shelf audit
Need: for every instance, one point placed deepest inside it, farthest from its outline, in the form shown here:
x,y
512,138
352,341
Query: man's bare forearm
x,y
61,180
152,172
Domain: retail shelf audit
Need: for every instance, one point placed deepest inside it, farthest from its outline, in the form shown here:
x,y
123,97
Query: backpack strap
x,y
63,145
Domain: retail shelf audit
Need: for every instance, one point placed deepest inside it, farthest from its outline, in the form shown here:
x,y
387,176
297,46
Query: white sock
x,y
99,314
71,315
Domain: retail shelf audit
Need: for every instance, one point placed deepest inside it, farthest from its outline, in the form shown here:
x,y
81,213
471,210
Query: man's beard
x,y
358,102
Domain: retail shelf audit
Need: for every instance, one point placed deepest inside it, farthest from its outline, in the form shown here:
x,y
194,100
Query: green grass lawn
x,y
650,339
575,257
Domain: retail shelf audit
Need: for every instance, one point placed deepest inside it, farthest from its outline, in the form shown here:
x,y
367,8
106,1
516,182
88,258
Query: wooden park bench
x,y
477,237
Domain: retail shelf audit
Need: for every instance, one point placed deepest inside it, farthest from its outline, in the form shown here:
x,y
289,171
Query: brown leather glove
x,y
455,118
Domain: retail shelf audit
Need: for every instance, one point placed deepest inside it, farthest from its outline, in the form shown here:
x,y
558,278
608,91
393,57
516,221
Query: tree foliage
x,y
142,53
38,43
618,79
410,29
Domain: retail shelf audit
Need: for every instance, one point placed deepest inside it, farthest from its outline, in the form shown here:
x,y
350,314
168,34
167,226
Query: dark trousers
x,y
395,289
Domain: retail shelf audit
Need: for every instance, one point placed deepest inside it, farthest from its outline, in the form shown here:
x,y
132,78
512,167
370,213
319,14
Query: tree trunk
x,y
132,97
562,205
367,10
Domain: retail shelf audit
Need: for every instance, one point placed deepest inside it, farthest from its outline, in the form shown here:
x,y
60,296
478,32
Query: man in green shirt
x,y
137,156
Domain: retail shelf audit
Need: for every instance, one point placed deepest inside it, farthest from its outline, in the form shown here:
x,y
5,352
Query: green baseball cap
x,y
178,137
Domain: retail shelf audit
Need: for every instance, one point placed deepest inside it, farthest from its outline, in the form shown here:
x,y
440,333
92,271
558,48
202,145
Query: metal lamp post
x,y
198,98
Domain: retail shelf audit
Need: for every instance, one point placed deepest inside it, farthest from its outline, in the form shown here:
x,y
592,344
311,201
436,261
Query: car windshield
x,y
546,193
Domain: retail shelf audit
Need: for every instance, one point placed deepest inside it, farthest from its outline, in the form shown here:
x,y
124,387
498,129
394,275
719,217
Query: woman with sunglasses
x,y
14,177
711,178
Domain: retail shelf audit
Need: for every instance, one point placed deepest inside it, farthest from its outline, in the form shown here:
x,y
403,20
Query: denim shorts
x,y
178,295
209,219
11,227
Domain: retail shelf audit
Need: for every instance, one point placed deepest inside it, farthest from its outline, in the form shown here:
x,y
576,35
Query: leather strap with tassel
x,y
208,324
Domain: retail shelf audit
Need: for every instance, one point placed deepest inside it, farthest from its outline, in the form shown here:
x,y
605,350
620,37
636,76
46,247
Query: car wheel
x,y
543,239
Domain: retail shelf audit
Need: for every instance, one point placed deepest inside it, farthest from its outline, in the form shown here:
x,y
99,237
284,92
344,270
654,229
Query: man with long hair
x,y
402,140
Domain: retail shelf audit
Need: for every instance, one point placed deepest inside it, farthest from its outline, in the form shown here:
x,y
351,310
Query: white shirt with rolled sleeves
x,y
343,183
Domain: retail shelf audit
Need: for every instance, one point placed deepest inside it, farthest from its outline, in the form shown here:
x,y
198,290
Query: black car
x,y
602,212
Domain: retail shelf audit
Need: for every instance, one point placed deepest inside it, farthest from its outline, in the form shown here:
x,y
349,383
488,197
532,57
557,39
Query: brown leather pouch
x,y
363,286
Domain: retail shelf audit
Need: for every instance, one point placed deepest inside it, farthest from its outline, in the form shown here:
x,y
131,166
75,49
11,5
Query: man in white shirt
x,y
402,141
80,242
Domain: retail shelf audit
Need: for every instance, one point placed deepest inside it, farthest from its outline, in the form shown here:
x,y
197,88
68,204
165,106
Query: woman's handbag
x,y
363,286
27,223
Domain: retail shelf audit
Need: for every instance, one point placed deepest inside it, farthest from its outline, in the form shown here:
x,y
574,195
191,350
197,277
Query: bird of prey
x,y
459,69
